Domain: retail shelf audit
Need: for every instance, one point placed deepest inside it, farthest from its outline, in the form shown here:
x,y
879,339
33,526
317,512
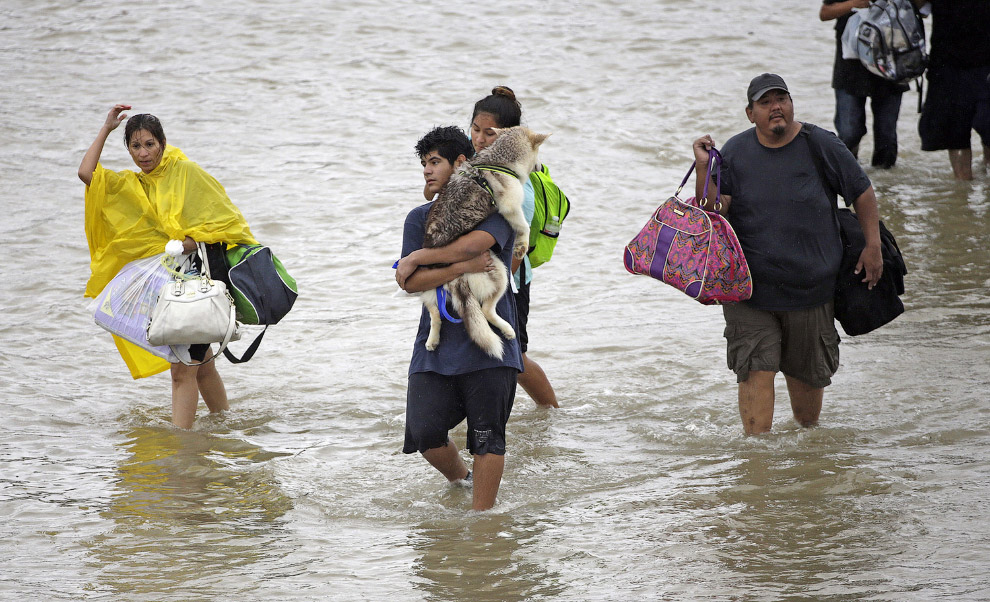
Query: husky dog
x,y
472,194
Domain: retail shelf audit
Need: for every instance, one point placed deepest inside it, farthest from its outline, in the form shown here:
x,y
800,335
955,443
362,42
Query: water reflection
x,y
941,228
481,557
800,522
191,509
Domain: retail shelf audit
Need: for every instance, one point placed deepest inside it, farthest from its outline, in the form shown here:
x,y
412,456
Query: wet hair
x,y
448,141
144,121
502,105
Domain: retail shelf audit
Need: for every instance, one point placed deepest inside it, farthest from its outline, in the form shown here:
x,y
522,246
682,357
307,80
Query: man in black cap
x,y
777,183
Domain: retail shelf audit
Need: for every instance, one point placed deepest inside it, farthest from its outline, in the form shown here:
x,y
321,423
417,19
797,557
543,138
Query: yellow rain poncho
x,y
132,215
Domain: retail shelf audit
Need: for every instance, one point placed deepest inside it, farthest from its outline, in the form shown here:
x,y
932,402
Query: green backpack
x,y
552,207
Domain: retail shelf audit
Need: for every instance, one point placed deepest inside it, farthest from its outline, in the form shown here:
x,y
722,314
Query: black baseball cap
x,y
762,84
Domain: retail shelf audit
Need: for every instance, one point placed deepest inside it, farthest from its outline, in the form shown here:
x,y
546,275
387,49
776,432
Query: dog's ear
x,y
537,139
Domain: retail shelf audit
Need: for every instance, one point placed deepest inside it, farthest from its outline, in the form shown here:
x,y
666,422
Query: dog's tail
x,y
477,326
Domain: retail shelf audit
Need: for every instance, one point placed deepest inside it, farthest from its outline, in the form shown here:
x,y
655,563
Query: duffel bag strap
x,y
248,354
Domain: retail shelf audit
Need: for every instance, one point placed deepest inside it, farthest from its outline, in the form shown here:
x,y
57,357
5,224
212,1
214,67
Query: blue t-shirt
x,y
785,219
529,210
457,353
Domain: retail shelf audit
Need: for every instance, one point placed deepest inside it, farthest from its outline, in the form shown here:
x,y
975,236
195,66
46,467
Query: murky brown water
x,y
641,487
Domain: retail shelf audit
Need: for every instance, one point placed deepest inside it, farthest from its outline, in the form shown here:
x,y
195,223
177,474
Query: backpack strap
x,y
816,156
541,196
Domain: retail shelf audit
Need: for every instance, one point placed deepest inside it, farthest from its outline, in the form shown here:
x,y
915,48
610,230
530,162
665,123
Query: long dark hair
x,y
502,105
144,121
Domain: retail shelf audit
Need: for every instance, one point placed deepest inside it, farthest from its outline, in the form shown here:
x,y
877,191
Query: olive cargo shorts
x,y
802,343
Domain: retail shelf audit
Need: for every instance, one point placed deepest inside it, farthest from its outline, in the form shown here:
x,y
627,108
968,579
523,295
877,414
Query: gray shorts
x,y
803,344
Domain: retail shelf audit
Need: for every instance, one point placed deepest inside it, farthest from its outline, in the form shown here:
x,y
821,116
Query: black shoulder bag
x,y
857,308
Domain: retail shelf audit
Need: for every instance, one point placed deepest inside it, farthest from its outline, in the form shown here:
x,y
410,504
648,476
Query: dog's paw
x,y
509,334
519,251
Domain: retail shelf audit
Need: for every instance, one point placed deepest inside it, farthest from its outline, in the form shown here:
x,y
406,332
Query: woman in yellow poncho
x,y
131,215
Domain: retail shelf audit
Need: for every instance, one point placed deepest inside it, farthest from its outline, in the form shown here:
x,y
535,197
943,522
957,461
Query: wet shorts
x,y
198,352
436,403
803,344
522,316
958,101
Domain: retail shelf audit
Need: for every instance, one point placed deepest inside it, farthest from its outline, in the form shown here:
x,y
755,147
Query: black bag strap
x,y
215,256
889,249
249,353
816,156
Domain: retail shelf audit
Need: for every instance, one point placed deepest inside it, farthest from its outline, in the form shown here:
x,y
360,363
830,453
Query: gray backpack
x,y
891,40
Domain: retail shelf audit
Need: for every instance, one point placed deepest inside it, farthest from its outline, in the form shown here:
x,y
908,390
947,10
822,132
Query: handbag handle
x,y
201,250
714,160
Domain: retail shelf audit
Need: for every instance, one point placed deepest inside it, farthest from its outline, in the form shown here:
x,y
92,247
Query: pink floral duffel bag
x,y
692,249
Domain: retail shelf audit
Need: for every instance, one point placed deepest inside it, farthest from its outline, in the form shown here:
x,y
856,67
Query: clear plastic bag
x,y
125,304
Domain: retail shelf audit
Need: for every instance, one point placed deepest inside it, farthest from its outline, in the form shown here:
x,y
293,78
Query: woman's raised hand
x,y
116,116
92,156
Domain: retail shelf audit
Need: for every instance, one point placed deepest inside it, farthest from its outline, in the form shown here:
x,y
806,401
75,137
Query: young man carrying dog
x,y
458,380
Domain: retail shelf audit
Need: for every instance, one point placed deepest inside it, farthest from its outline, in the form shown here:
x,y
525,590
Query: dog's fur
x,y
460,207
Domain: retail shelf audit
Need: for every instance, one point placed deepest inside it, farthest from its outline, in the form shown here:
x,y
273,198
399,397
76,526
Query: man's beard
x,y
778,130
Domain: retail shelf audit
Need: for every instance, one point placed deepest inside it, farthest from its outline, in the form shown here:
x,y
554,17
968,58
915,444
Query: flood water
x,y
641,487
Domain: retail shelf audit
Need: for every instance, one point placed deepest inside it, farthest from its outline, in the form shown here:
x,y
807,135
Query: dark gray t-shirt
x,y
457,353
785,219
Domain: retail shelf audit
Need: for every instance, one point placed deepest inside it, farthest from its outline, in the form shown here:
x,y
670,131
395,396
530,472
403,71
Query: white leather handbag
x,y
193,310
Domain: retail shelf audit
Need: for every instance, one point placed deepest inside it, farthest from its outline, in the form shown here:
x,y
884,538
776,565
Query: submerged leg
x,y
806,401
211,386
962,163
756,402
185,395
488,469
534,381
447,461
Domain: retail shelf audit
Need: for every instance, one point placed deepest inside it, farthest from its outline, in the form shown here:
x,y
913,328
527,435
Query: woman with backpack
x,y
132,215
500,109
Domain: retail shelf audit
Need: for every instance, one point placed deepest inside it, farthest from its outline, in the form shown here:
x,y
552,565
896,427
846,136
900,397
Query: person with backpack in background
x,y
853,84
958,98
545,206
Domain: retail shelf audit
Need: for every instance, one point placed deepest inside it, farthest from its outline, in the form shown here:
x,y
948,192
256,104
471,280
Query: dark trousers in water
x,y
850,124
